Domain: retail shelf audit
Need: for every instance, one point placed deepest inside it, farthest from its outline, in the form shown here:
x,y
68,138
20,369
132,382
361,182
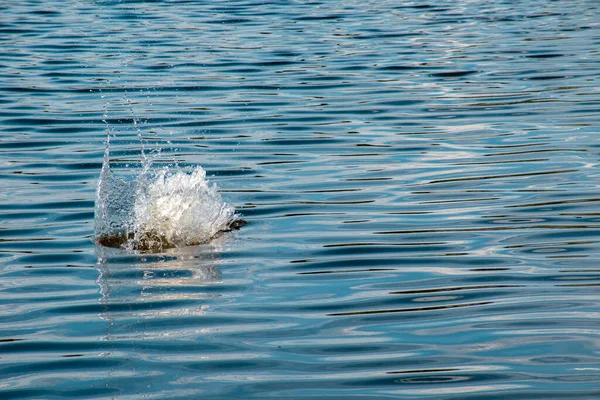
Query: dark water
x,y
420,181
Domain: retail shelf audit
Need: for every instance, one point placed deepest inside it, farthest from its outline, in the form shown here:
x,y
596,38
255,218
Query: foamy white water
x,y
157,208
178,208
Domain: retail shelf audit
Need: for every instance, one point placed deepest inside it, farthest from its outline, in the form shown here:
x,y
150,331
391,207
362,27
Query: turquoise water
x,y
420,182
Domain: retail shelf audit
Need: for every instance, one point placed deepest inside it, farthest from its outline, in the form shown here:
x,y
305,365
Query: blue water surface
x,y
420,181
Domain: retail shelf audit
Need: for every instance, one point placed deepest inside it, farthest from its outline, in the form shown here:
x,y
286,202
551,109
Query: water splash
x,y
158,207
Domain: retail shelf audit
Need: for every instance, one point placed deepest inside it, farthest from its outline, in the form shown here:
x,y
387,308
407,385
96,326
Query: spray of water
x,y
156,208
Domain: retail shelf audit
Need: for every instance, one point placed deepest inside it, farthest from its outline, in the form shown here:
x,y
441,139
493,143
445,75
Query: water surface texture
x,y
420,182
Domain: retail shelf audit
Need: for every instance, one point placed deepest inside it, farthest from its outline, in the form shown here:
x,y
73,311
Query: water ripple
x,y
419,181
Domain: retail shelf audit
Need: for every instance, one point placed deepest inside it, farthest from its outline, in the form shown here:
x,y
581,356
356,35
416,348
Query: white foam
x,y
177,208
158,208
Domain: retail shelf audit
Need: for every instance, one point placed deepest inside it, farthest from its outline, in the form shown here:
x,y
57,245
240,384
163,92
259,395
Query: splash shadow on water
x,y
139,292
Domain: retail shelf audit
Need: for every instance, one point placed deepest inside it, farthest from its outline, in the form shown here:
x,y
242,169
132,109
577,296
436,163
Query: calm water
x,y
420,182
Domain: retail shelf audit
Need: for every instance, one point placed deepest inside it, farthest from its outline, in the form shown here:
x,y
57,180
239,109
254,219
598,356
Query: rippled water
x,y
420,182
